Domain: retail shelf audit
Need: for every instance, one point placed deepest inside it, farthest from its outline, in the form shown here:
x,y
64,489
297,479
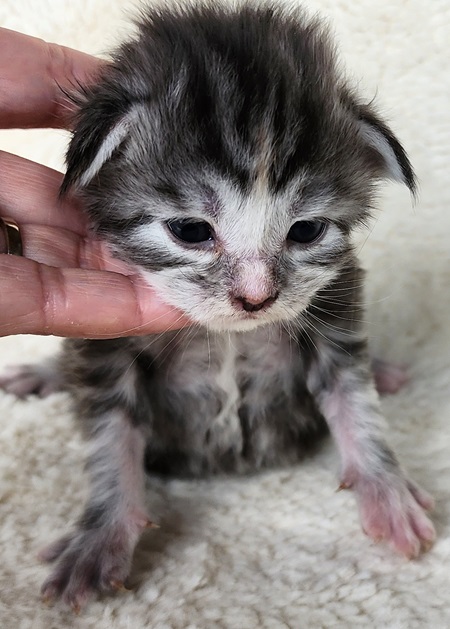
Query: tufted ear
x,y
386,153
103,123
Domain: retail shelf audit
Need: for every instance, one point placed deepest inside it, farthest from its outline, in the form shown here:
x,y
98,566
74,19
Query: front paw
x,y
41,379
88,561
392,509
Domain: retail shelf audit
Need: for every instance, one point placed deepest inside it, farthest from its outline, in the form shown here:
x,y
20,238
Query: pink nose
x,y
252,305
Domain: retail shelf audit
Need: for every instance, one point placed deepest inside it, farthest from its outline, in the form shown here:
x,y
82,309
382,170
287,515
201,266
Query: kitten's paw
x,y
392,509
40,379
88,562
389,378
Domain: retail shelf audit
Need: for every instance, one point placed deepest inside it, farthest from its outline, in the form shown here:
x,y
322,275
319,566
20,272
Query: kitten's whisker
x,y
330,326
190,334
144,325
289,326
137,356
370,232
331,313
286,326
307,334
152,340
324,336
269,337
350,290
230,339
361,304
167,345
209,348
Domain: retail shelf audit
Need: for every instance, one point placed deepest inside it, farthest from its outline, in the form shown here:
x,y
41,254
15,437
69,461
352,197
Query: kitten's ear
x,y
101,128
386,153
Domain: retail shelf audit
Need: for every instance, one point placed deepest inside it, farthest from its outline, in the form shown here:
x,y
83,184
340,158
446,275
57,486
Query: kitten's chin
x,y
228,324
244,322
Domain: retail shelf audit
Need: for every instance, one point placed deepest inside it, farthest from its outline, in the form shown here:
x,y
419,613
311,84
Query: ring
x,y
10,238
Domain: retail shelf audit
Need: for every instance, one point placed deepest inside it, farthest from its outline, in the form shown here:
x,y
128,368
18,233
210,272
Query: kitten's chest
x,y
245,367
226,402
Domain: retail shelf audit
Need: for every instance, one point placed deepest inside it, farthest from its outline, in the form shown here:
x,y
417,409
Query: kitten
x,y
223,154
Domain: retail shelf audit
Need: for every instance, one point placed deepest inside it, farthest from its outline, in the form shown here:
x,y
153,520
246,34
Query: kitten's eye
x,y
191,231
306,231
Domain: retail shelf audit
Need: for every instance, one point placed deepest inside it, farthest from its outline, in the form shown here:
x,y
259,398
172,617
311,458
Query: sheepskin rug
x,y
282,549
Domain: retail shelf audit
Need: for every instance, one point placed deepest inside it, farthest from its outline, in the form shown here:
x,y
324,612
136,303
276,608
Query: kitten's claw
x,y
151,525
118,586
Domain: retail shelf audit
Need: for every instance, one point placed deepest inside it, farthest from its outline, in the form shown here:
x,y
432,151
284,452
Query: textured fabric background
x,y
282,549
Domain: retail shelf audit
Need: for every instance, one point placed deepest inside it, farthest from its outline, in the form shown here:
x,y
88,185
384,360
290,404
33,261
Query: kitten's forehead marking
x,y
257,223
263,160
249,222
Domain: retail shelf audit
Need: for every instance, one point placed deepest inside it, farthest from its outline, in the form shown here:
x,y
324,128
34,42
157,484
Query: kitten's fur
x,y
239,118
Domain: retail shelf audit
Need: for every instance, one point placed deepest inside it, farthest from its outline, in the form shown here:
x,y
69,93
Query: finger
x,y
29,194
32,73
38,299
63,248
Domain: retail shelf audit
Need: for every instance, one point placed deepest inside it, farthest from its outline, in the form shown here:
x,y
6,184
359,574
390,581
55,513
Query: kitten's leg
x,y
391,506
40,379
97,555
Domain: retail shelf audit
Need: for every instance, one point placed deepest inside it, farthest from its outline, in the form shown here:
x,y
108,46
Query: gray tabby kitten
x,y
223,154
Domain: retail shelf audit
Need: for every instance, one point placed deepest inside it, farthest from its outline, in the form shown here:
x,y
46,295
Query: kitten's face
x,y
224,157
241,259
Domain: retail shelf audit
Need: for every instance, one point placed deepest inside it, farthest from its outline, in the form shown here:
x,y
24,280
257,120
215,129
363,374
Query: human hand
x,y
66,283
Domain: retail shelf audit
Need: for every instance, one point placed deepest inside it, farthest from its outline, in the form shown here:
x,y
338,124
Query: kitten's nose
x,y
251,305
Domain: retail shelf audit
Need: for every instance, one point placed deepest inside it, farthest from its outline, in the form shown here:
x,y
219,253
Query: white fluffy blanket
x,y
282,549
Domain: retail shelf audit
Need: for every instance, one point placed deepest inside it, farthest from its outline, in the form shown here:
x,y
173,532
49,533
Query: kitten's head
x,y
222,154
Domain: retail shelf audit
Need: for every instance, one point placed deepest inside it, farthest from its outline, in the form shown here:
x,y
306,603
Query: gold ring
x,y
10,231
